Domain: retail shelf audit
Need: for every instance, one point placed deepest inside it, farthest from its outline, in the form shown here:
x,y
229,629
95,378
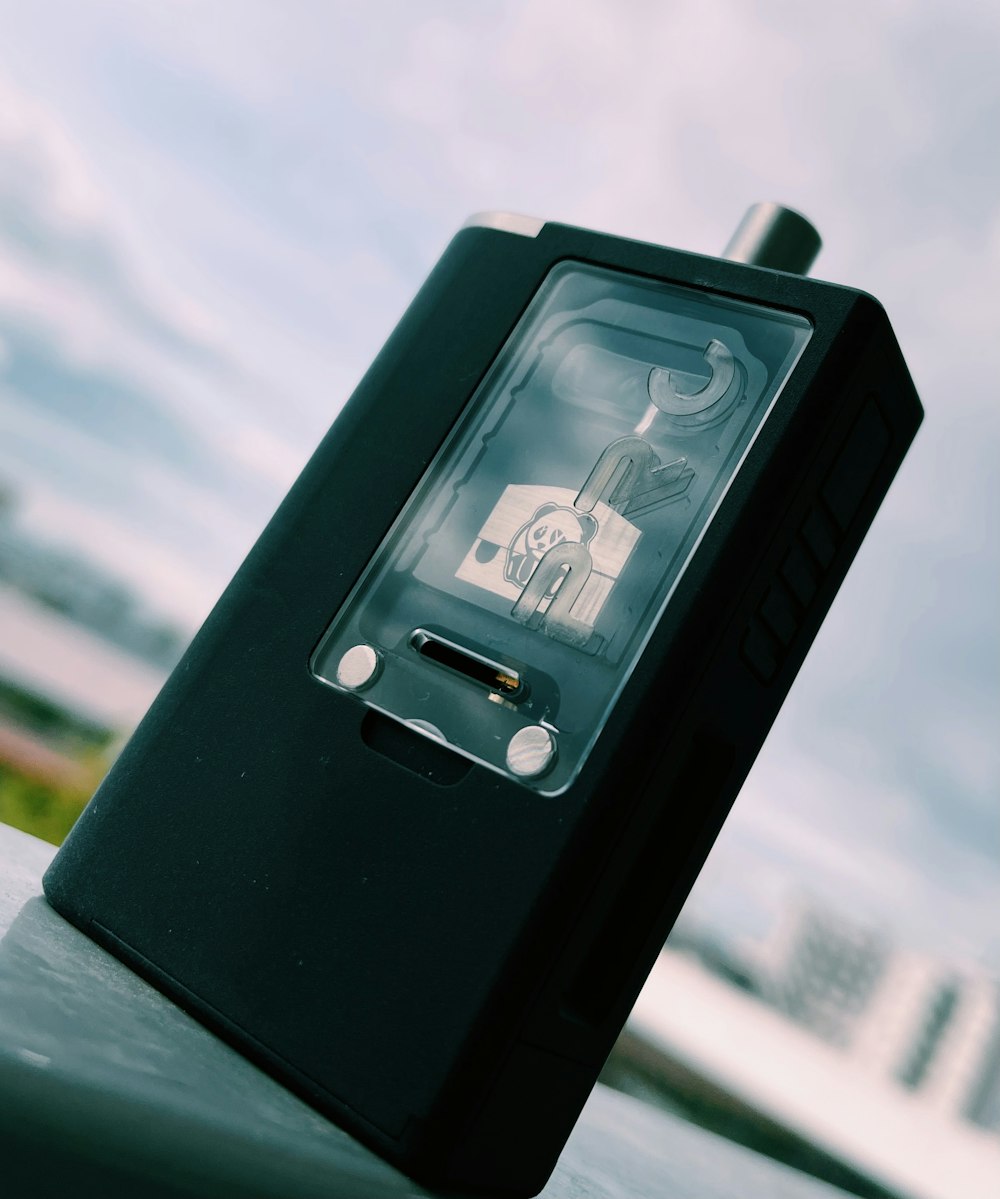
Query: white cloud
x,y
270,456
45,168
862,847
61,228
164,577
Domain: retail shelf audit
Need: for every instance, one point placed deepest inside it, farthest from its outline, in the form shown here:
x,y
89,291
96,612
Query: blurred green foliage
x,y
34,801
45,810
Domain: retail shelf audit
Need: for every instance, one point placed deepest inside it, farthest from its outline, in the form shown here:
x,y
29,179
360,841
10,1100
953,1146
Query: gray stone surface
x,y
107,1088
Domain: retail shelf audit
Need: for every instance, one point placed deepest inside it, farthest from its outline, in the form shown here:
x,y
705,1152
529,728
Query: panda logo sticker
x,y
529,520
551,525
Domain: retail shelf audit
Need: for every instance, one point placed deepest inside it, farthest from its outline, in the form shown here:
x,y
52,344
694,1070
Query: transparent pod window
x,y
511,600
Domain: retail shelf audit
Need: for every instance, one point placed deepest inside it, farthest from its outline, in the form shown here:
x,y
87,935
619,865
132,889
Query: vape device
x,y
411,820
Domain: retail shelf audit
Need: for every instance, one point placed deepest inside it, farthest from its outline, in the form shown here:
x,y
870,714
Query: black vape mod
x,y
412,818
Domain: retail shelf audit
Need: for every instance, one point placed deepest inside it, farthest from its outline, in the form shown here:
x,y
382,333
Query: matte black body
x,y
443,964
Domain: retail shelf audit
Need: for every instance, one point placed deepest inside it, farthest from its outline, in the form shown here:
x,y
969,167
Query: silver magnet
x,y
531,751
425,726
359,667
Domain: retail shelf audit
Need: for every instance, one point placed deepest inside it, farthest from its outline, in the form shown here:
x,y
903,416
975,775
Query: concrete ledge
x,y
117,1092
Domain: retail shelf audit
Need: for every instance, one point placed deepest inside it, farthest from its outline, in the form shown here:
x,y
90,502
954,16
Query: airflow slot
x,y
414,752
497,676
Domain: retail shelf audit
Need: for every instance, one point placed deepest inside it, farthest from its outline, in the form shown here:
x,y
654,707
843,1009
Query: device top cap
x,y
774,236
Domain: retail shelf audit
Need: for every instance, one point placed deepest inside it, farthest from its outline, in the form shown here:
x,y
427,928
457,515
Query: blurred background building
x,y
918,1021
829,1047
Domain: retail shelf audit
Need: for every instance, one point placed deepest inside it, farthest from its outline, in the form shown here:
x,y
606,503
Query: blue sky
x,y
212,213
